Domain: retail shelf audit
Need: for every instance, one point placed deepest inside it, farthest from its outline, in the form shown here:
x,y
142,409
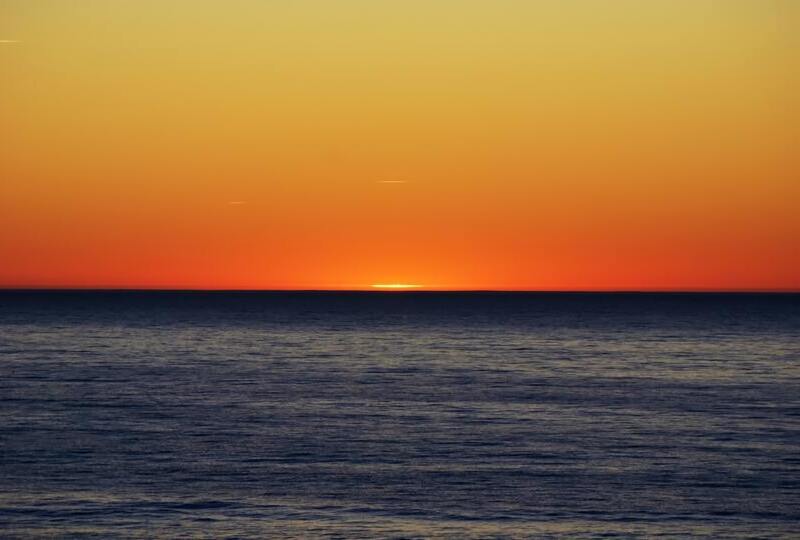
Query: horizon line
x,y
393,291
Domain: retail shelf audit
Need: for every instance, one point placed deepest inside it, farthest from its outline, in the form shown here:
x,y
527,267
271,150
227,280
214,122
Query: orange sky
x,y
504,144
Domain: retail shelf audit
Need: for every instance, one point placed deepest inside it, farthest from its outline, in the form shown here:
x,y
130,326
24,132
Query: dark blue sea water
x,y
347,415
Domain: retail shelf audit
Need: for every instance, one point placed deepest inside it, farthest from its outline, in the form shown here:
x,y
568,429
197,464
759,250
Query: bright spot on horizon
x,y
392,181
395,286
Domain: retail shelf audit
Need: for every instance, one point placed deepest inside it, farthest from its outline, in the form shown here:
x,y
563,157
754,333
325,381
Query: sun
x,y
395,286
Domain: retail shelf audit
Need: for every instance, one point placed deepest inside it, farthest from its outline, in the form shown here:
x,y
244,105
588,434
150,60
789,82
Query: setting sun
x,y
395,286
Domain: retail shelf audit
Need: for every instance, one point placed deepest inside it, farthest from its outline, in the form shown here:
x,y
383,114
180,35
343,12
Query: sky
x,y
446,144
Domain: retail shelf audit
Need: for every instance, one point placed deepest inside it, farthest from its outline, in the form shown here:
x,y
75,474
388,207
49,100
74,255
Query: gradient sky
x,y
502,144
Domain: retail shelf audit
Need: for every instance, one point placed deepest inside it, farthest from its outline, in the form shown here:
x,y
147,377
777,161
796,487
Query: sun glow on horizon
x,y
395,286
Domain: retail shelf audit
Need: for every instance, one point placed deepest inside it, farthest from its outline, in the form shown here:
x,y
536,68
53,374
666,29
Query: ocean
x,y
399,415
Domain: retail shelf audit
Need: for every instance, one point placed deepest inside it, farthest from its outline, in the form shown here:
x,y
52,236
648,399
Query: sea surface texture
x,y
399,415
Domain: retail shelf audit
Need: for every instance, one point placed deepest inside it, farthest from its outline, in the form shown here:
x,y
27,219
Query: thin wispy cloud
x,y
236,203
392,181
10,41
